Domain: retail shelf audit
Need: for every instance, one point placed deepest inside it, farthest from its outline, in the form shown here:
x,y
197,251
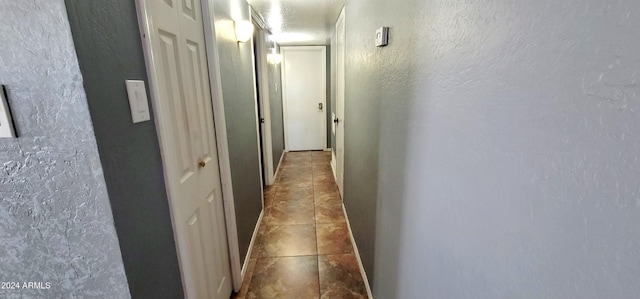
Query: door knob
x,y
202,163
336,120
320,106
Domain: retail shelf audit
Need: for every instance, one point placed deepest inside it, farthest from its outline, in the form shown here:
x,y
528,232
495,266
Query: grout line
x,y
315,220
294,224
279,256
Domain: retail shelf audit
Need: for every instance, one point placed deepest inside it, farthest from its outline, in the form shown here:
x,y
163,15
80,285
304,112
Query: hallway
x,y
303,248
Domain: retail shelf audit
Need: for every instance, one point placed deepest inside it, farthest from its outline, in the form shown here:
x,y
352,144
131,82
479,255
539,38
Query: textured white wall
x,y
509,148
55,220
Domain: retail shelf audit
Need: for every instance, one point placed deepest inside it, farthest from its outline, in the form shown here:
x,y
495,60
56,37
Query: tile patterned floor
x,y
303,249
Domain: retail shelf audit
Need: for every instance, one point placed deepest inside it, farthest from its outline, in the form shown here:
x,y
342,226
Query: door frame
x,y
219,128
263,89
339,157
283,74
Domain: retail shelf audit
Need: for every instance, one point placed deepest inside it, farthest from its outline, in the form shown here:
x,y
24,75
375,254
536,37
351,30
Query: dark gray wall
x,y
236,72
56,224
508,160
277,121
361,129
109,53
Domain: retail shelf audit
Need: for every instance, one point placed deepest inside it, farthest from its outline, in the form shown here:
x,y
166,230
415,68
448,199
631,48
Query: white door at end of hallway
x,y
176,58
304,96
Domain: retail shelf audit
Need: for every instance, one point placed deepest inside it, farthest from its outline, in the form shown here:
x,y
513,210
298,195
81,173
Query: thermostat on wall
x,y
382,36
6,122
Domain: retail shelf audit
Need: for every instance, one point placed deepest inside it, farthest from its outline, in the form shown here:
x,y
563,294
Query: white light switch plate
x,y
382,36
6,122
138,101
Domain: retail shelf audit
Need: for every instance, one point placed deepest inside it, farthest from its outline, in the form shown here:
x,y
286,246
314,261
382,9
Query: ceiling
x,y
299,22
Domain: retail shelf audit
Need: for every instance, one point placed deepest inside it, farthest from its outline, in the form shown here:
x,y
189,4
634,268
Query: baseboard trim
x,y
357,254
327,149
333,166
245,265
275,175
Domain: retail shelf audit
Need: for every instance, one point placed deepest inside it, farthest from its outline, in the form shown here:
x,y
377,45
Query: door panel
x,y
168,65
184,116
194,76
304,89
197,282
218,259
188,9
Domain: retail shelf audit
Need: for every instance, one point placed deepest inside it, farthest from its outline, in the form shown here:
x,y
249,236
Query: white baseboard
x,y
333,167
357,253
251,245
327,149
275,175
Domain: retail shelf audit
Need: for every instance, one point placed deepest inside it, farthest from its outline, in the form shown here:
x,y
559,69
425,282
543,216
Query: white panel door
x,y
340,83
176,58
304,94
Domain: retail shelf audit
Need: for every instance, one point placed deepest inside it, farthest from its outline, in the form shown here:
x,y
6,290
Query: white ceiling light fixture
x,y
273,57
244,31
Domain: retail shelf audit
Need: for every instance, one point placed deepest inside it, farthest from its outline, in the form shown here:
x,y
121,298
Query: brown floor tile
x,y
268,201
321,155
322,167
320,189
269,195
294,171
323,172
324,176
293,167
294,194
333,238
285,277
340,277
297,154
290,212
296,184
322,162
247,281
287,240
303,218
299,169
255,253
295,180
290,160
329,212
269,189
328,197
